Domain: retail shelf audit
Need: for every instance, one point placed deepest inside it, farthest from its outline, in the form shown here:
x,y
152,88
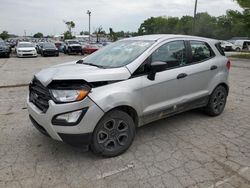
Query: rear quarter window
x,y
219,48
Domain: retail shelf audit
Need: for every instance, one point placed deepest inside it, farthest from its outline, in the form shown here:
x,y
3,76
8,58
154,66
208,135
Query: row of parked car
x,y
237,45
48,48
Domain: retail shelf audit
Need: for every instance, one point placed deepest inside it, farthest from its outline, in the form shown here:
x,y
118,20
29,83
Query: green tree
x,y
185,25
244,3
84,33
4,35
205,25
38,35
112,35
68,35
156,25
99,31
70,25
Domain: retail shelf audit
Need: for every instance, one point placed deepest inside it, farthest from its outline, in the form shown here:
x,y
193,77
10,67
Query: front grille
x,y
76,47
39,95
50,52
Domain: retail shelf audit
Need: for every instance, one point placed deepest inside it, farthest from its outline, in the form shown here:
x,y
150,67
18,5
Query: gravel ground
x,y
187,150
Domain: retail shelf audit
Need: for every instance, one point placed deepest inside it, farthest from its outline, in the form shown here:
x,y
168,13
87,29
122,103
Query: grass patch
x,y
241,56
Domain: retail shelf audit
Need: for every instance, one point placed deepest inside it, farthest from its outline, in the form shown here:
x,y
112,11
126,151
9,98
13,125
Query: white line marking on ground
x,y
107,174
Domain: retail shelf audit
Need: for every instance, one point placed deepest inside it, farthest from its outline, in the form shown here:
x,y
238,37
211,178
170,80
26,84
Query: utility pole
x,y
89,13
195,12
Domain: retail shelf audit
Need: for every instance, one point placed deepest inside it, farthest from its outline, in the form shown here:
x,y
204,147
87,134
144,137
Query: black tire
x,y
217,101
69,51
113,134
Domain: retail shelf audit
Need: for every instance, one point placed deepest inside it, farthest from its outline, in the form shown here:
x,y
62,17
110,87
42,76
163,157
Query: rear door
x,y
201,68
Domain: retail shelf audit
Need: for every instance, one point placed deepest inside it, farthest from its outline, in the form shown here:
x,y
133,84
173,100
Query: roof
x,y
161,37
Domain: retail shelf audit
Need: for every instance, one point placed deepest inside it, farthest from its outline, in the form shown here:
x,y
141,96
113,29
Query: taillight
x,y
228,64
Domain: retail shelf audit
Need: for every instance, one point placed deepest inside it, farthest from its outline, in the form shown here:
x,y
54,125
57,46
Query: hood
x,y
26,48
73,71
74,45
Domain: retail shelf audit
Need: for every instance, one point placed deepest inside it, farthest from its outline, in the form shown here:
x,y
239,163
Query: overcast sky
x,y
47,16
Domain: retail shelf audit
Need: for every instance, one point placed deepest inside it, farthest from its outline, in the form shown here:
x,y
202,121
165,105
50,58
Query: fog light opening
x,y
71,117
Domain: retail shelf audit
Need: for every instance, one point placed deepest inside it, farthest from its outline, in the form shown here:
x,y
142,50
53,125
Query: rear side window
x,y
219,48
201,51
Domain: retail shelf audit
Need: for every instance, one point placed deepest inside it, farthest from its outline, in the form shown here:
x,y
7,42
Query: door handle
x,y
182,75
213,67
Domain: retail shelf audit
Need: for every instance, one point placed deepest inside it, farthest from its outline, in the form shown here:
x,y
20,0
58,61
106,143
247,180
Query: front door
x,y
161,95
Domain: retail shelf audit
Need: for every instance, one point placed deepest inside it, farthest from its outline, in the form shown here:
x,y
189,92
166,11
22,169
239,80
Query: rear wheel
x,y
217,101
114,134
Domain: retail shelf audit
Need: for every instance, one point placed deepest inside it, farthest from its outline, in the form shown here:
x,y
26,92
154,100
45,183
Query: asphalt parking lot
x,y
188,150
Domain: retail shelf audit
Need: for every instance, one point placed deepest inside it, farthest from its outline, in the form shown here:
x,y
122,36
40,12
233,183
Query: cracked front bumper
x,y
43,121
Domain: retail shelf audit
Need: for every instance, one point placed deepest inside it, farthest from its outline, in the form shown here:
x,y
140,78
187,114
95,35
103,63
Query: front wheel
x,y
113,134
217,101
238,49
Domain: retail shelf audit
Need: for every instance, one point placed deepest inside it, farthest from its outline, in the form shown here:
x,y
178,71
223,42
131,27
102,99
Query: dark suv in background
x,y
4,49
48,49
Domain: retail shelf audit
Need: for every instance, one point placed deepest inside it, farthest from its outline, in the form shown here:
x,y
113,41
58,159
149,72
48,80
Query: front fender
x,y
124,93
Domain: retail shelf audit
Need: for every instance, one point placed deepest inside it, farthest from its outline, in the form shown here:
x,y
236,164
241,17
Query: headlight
x,y
69,95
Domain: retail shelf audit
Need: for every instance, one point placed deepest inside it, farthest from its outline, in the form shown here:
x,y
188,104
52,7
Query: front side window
x,y
200,51
172,53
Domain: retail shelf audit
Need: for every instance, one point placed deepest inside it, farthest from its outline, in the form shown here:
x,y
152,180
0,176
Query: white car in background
x,y
227,46
242,45
26,49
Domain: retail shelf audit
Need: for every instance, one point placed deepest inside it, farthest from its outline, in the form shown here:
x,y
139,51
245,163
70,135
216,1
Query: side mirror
x,y
155,67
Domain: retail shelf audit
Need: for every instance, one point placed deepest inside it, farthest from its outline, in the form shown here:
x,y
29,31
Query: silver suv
x,y
99,101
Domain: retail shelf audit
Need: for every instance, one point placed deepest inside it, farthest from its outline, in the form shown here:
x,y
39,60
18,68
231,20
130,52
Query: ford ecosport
x,y
100,100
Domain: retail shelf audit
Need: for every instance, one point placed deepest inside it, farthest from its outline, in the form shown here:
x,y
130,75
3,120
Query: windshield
x,y
49,45
25,45
2,43
118,54
73,42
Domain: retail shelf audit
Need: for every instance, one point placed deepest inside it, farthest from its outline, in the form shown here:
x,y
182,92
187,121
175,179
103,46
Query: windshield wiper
x,y
82,62
99,66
